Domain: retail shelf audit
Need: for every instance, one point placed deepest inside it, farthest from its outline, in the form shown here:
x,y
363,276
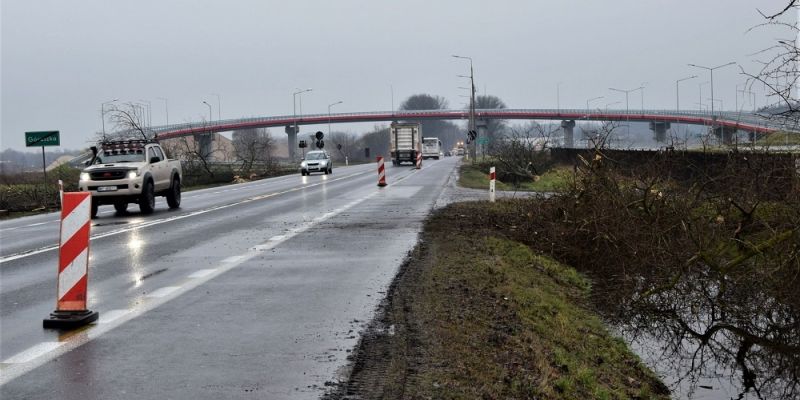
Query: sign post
x,y
43,138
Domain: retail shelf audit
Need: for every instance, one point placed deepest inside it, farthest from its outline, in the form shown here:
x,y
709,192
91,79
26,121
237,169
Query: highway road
x,y
251,290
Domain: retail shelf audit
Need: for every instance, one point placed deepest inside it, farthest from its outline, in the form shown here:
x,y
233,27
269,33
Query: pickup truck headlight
x,y
303,164
132,174
84,176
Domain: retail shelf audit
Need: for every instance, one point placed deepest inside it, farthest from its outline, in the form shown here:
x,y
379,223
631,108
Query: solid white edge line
x,y
201,273
33,352
162,292
107,317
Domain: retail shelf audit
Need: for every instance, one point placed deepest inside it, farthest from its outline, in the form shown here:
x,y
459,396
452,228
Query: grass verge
x,y
473,177
473,314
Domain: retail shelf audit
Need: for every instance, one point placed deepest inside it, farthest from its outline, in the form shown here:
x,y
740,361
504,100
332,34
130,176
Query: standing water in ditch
x,y
694,258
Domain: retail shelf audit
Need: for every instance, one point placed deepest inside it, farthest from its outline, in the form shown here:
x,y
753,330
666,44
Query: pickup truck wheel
x,y
174,194
121,207
95,207
147,200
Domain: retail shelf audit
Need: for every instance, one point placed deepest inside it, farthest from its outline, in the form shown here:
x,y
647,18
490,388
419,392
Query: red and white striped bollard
x,y
73,264
381,173
419,160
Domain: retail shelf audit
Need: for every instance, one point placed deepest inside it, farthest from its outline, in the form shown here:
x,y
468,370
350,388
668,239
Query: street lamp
x,y
721,106
752,98
209,111
219,106
627,109
103,115
678,93
294,105
558,96
593,99
149,112
711,71
329,114
166,107
472,94
642,88
700,85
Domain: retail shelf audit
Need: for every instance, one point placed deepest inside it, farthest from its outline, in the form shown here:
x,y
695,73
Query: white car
x,y
316,161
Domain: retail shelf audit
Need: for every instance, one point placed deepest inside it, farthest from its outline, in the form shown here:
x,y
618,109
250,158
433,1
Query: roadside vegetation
x,y
476,314
476,176
695,257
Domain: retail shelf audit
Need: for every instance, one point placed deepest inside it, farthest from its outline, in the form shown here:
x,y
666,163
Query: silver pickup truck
x,y
131,171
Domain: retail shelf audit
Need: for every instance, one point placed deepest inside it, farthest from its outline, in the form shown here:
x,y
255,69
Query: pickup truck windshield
x,y
315,156
119,156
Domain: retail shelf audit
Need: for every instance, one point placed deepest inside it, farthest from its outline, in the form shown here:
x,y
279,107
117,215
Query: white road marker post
x,y
492,178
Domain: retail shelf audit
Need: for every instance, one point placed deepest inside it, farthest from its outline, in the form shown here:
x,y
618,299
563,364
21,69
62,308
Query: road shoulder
x,y
473,314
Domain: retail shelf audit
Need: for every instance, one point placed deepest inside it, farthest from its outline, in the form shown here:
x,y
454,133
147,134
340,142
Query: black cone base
x,y
69,319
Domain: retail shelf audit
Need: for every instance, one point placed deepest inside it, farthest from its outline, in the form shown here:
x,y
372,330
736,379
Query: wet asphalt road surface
x,y
258,290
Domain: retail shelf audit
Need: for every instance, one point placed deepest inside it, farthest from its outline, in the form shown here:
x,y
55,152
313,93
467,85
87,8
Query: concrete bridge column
x,y
569,132
292,140
204,145
659,130
726,134
481,141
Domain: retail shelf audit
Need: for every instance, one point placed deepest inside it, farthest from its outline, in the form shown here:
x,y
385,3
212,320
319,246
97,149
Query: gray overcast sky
x,y
62,59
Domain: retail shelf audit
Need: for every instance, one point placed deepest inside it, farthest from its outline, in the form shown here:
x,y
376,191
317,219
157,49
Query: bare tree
x,y
522,155
779,68
253,146
129,122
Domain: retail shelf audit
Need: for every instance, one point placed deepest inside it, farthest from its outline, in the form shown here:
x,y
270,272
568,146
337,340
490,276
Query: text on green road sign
x,y
42,138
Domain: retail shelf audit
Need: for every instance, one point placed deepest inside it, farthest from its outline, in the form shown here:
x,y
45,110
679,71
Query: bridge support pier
x,y
204,145
482,140
569,132
726,134
659,130
292,141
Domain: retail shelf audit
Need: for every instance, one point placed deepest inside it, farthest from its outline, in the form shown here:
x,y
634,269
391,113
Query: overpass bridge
x,y
726,124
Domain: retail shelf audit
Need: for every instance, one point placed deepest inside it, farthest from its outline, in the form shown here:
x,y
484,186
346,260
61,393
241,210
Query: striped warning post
x,y
381,173
419,159
73,264
492,179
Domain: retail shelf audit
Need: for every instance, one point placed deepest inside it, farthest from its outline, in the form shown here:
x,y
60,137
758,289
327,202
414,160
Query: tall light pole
x,y
472,95
678,91
627,109
642,89
294,105
593,99
558,96
166,108
700,85
149,105
219,106
711,71
329,114
209,111
103,114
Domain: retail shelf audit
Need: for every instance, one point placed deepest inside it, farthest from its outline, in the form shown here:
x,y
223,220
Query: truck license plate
x,y
107,189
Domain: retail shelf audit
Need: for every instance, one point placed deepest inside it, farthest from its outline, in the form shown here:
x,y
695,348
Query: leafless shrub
x,y
700,257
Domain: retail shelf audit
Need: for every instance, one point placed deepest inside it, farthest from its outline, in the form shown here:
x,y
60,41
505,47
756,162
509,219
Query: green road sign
x,y
483,140
42,138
